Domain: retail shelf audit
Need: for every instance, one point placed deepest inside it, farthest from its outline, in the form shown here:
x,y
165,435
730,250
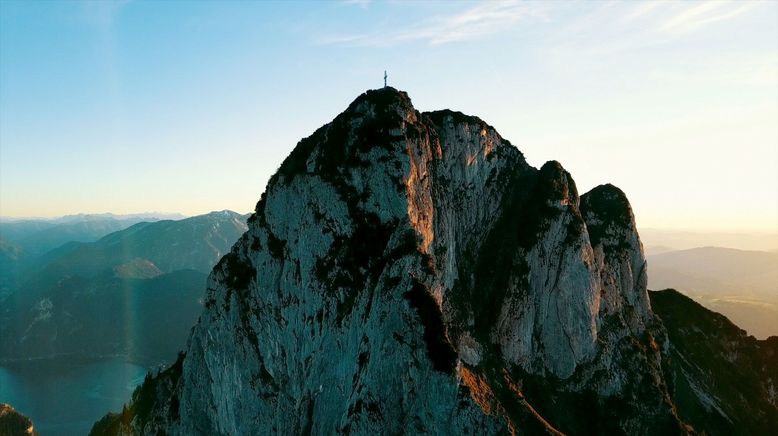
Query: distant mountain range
x,y
743,285
37,236
133,292
662,240
23,241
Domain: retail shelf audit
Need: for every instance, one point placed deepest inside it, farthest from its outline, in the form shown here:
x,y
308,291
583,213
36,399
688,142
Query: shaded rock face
x,y
722,380
13,423
409,272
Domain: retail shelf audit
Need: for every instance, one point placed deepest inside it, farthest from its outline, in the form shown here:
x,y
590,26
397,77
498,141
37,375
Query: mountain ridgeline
x,y
743,285
22,242
410,272
134,293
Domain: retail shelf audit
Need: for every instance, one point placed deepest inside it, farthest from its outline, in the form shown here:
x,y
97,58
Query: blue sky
x,y
191,106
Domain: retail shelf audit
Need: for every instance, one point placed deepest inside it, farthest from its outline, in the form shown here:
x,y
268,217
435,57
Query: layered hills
x,y
741,284
133,293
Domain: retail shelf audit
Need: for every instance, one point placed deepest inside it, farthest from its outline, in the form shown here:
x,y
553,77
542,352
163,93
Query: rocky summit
x,y
410,272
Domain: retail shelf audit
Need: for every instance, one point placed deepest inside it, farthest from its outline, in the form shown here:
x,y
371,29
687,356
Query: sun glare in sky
x,y
191,106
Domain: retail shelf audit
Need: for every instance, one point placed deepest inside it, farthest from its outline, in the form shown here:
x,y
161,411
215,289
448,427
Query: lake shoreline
x,y
67,396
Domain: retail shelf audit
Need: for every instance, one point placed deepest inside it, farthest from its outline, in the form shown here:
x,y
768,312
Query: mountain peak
x,y
558,183
397,256
383,97
610,201
606,210
412,247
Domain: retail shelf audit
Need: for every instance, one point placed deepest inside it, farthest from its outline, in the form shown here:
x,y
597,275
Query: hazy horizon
x,y
655,240
152,213
128,106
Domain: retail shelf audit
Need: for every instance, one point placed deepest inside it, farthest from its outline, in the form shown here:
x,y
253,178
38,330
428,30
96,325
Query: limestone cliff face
x,y
409,272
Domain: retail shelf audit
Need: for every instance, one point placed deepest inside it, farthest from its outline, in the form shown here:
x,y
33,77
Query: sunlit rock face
x,y
409,272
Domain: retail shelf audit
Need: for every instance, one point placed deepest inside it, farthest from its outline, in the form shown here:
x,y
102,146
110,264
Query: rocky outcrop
x,y
722,380
409,272
13,423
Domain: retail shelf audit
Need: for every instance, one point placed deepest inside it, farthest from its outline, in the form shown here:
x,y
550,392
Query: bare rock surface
x,y
409,272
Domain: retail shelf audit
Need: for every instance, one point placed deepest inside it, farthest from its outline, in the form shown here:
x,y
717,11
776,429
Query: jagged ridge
x,y
723,381
409,272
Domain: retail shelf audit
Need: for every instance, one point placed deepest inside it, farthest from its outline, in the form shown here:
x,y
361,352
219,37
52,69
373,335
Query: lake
x,y
67,398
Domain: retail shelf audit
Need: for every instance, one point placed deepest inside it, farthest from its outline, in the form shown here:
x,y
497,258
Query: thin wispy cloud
x,y
623,25
359,3
477,22
696,16
614,28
